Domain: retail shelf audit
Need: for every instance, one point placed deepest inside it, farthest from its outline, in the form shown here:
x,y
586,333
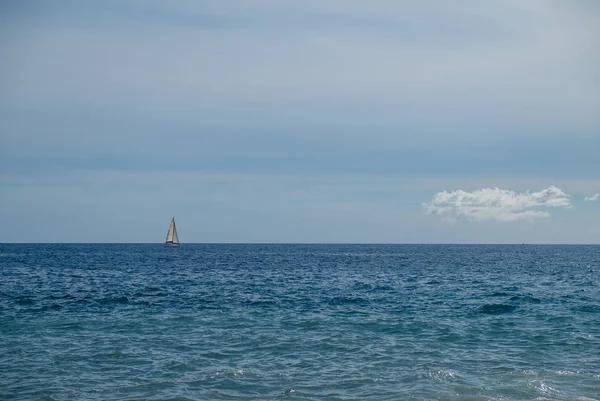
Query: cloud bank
x,y
495,204
592,198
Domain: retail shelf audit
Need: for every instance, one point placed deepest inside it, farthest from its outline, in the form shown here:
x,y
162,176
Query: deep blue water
x,y
299,322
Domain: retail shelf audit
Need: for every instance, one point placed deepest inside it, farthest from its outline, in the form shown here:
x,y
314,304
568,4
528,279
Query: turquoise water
x,y
299,322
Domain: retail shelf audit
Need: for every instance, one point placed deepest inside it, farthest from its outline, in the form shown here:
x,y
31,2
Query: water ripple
x,y
299,322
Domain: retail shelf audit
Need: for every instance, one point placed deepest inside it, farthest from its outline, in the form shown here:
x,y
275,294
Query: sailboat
x,y
172,238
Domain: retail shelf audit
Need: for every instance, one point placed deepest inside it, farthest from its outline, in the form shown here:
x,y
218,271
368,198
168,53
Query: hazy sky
x,y
300,121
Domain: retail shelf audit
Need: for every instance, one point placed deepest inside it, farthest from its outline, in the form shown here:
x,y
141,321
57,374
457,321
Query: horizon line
x,y
296,243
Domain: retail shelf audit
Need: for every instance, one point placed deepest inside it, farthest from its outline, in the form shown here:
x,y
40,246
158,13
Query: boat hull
x,y
171,245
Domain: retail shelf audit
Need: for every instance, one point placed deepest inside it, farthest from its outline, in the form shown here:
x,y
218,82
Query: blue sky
x,y
312,121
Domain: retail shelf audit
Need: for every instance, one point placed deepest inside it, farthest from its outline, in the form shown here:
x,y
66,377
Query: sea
x,y
299,322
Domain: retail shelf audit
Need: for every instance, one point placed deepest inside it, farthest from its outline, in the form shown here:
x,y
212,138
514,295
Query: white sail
x,y
172,238
175,237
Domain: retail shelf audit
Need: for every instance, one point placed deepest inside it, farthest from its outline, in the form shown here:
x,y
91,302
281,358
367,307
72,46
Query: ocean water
x,y
299,322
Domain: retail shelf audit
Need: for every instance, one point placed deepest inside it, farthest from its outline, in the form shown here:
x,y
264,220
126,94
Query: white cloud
x,y
496,204
592,198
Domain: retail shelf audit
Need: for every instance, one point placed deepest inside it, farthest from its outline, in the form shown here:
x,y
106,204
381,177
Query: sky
x,y
309,121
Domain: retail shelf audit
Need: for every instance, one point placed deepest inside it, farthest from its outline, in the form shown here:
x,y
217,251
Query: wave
x,y
497,309
348,301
